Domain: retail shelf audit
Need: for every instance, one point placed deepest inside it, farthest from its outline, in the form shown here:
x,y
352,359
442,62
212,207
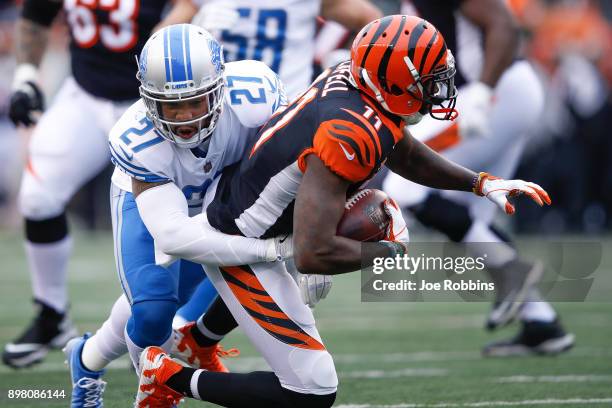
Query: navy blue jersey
x,y
348,131
106,35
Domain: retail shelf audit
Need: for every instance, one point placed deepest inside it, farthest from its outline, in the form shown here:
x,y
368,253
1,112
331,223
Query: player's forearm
x,y
336,255
352,14
163,210
319,206
501,36
500,48
31,41
414,161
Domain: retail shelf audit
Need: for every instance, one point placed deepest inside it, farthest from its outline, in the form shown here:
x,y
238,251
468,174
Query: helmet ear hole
x,y
396,90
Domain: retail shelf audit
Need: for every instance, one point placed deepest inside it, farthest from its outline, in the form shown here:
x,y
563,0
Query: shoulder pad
x,y
253,92
130,142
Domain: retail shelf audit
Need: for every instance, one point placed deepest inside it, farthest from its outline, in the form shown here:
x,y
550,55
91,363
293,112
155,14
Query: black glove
x,y
26,100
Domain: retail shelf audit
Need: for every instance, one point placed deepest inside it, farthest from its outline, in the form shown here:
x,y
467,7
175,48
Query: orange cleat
x,y
156,367
207,358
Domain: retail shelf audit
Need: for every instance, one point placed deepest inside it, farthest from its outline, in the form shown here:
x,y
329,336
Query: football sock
x,y
444,215
536,309
135,351
48,247
214,324
108,343
255,389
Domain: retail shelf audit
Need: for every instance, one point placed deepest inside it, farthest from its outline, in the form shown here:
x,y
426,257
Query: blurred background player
x,y
69,144
280,33
499,101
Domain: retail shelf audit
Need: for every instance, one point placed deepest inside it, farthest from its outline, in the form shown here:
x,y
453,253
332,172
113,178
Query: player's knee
x,y
37,202
152,322
299,400
316,372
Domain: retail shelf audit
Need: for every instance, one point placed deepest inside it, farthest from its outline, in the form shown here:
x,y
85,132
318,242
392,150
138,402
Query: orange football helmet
x,y
403,62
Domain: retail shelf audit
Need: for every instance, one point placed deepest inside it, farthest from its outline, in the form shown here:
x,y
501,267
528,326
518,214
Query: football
x,y
364,217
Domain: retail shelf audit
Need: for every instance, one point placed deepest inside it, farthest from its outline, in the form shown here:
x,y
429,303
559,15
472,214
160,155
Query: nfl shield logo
x,y
207,167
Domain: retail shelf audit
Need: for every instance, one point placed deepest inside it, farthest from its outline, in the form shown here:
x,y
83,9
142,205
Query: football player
x,y
295,178
196,115
68,147
500,98
279,33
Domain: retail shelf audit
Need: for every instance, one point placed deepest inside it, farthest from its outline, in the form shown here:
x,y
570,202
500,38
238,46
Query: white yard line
x,y
572,378
522,403
406,372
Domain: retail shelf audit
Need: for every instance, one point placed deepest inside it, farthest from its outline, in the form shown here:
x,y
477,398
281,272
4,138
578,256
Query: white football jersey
x,y
252,94
280,33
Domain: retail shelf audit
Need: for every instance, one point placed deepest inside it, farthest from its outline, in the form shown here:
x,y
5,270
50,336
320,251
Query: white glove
x,y
217,16
474,110
498,190
313,288
279,248
397,231
27,101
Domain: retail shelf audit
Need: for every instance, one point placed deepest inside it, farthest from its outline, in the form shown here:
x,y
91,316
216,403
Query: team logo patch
x,y
216,55
142,63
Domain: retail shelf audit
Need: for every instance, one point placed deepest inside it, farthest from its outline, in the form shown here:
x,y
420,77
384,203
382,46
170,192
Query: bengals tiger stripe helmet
x,y
403,62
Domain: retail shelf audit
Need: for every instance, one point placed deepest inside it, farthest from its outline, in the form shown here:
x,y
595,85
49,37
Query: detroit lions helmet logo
x,y
216,54
142,62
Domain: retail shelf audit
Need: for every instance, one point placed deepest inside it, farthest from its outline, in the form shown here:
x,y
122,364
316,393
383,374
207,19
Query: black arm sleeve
x,y
41,11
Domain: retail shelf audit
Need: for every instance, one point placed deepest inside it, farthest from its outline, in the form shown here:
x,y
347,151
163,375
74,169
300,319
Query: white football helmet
x,y
181,69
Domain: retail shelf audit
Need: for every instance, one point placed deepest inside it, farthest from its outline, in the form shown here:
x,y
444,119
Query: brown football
x,y
364,216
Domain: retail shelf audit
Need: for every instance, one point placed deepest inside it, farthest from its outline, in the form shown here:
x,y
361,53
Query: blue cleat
x,y
87,386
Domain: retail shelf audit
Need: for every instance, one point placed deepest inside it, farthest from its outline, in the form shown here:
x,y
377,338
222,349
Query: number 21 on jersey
x,y
118,34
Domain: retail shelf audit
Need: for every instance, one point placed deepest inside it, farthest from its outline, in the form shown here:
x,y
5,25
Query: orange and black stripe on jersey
x,y
254,298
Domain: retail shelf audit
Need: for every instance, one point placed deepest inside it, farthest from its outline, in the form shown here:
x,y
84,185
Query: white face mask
x,y
413,119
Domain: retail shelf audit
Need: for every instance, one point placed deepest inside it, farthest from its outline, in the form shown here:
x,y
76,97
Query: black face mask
x,y
439,94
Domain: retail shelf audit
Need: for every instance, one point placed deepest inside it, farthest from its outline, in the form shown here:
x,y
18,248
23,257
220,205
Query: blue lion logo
x,y
216,55
143,61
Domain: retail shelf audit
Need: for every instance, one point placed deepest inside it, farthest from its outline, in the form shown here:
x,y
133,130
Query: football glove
x,y
475,110
397,231
313,288
26,101
498,190
217,16
279,248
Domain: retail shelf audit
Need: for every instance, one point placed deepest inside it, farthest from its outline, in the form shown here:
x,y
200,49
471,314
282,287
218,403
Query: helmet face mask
x,y
382,67
182,84
175,117
438,89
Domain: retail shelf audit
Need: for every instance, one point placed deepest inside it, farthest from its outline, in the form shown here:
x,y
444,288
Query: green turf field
x,y
392,354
